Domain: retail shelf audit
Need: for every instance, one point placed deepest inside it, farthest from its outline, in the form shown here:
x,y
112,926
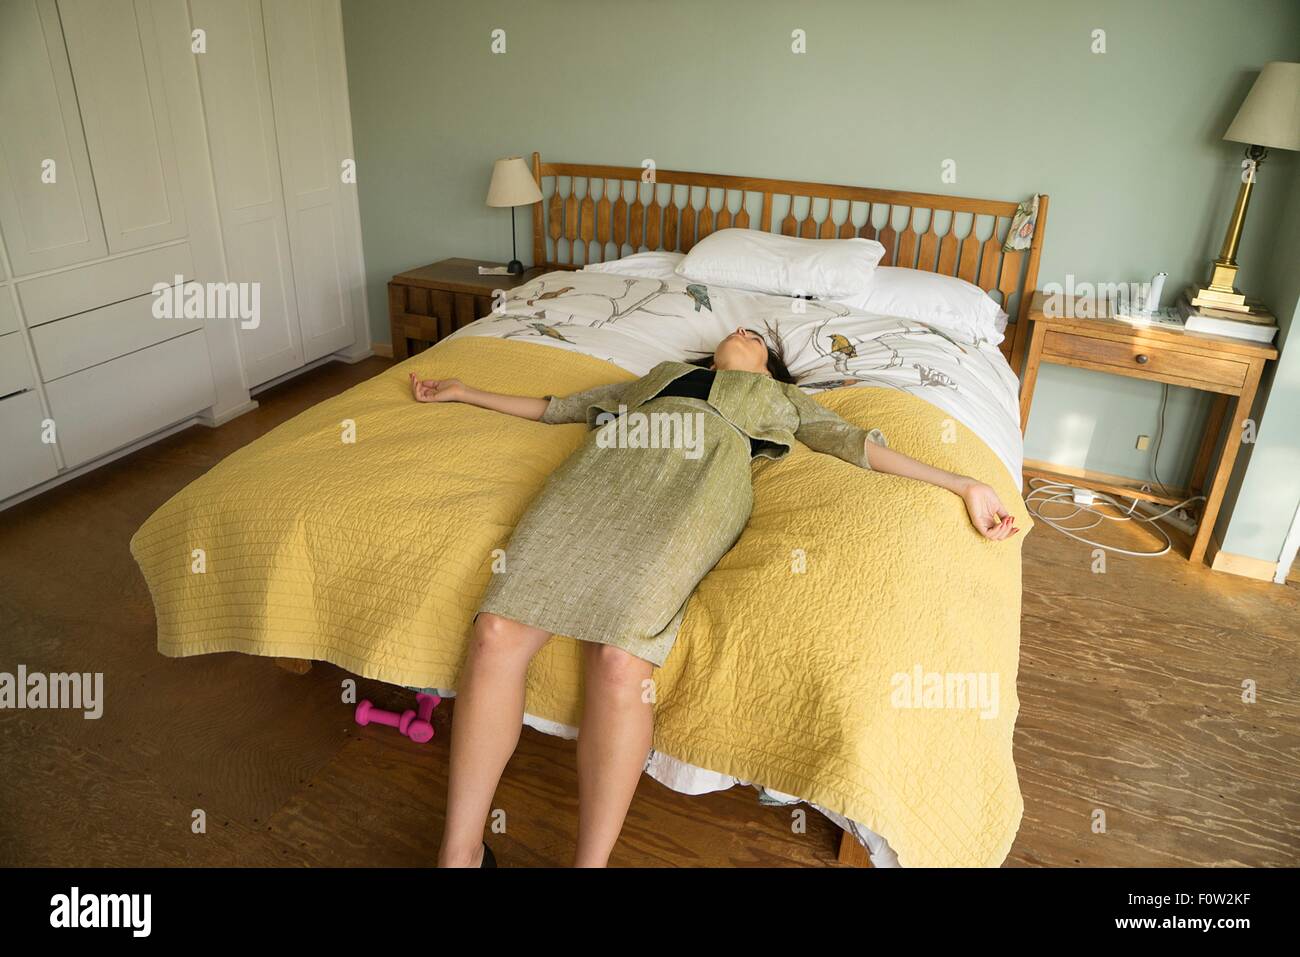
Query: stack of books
x,y
1251,321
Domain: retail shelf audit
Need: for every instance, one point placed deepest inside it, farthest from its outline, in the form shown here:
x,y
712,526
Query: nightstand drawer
x,y
1149,362
432,302
433,314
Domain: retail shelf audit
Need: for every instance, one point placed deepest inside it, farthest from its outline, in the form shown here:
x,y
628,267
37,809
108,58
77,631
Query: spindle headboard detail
x,y
593,213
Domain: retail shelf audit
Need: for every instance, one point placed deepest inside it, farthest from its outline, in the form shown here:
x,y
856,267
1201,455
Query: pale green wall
x,y
1127,143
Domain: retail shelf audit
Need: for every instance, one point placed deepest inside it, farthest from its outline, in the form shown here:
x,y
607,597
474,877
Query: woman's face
x,y
744,349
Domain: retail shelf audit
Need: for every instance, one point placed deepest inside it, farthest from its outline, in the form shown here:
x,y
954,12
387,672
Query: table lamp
x,y
1268,119
513,185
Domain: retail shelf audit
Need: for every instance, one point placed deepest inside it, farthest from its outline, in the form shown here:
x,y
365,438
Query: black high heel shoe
x,y
489,859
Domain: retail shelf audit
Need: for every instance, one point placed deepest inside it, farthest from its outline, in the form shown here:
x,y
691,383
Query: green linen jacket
x,y
775,413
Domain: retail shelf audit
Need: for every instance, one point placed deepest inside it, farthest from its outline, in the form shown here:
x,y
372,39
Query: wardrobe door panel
x,y
48,211
259,252
306,67
113,48
241,132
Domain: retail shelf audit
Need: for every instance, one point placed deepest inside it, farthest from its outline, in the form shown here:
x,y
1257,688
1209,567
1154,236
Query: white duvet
x,y
637,322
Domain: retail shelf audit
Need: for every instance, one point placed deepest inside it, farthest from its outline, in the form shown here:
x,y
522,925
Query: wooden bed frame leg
x,y
296,666
853,854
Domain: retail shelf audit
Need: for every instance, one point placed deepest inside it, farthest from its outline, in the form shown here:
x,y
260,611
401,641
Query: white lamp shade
x,y
1271,114
512,184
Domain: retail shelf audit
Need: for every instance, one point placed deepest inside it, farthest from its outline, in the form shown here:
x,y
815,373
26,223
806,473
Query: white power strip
x,y
1180,519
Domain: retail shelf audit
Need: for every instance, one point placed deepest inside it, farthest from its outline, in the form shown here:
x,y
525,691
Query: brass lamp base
x,y
1222,291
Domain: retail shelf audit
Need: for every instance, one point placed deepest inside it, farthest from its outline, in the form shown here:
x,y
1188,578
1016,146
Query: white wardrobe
x,y
142,140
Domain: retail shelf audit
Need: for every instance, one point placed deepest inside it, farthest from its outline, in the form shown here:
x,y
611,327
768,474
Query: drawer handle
x,y
1143,360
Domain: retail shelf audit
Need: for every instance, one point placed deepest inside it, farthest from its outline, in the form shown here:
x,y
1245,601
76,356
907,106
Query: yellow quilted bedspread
x,y
857,647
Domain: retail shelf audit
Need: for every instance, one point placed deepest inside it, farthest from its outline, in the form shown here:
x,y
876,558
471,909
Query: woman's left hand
x,y
986,512
437,390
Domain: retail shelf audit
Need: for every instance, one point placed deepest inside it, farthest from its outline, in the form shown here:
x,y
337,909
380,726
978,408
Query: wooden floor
x,y
1130,688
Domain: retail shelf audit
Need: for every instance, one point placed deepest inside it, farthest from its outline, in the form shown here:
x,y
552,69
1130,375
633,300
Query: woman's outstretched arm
x,y
553,410
824,431
986,512
453,390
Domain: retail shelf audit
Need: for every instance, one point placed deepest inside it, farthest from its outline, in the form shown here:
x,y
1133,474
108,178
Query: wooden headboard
x,y
591,213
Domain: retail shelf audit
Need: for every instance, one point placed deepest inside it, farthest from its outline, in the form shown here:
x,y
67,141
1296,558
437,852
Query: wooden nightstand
x,y
1230,368
433,301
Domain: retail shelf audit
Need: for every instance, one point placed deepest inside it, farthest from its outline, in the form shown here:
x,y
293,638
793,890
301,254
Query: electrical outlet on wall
x,y
1143,443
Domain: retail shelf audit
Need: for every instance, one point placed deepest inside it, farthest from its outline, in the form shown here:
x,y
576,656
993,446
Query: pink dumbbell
x,y
415,726
368,713
421,729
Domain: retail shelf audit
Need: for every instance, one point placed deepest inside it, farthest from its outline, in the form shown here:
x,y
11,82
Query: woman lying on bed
x,y
611,550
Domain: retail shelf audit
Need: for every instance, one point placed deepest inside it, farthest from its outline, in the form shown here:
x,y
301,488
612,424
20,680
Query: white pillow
x,y
653,265
954,305
783,265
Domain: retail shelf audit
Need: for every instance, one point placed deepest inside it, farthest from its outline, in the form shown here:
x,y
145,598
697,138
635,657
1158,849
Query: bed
x,y
363,531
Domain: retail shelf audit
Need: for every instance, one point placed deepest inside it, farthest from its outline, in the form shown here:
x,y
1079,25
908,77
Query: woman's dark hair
x,y
776,366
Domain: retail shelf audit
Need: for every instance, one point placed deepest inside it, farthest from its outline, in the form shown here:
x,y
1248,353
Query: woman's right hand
x,y
437,390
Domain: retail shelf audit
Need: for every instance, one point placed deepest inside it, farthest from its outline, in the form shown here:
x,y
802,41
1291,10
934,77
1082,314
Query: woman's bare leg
x,y
485,727
613,742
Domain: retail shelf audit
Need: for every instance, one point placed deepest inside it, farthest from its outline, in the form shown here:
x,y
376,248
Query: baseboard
x,y
353,357
294,373
213,421
384,349
1242,565
93,464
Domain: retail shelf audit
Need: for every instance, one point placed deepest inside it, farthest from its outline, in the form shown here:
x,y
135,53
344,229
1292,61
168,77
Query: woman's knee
x,y
503,637
615,668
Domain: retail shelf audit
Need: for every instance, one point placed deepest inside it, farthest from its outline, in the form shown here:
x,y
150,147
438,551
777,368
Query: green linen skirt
x,y
620,535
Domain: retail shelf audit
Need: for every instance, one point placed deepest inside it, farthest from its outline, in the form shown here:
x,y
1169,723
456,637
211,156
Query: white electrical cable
x,y
1045,492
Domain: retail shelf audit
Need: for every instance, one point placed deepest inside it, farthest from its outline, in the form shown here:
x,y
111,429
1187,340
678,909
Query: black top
x,y
697,384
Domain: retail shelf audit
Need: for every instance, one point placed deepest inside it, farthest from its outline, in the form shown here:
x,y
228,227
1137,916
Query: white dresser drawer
x,y
8,312
26,461
115,403
89,287
15,370
86,339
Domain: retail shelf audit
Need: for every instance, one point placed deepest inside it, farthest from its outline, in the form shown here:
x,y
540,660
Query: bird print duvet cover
x,y
637,322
